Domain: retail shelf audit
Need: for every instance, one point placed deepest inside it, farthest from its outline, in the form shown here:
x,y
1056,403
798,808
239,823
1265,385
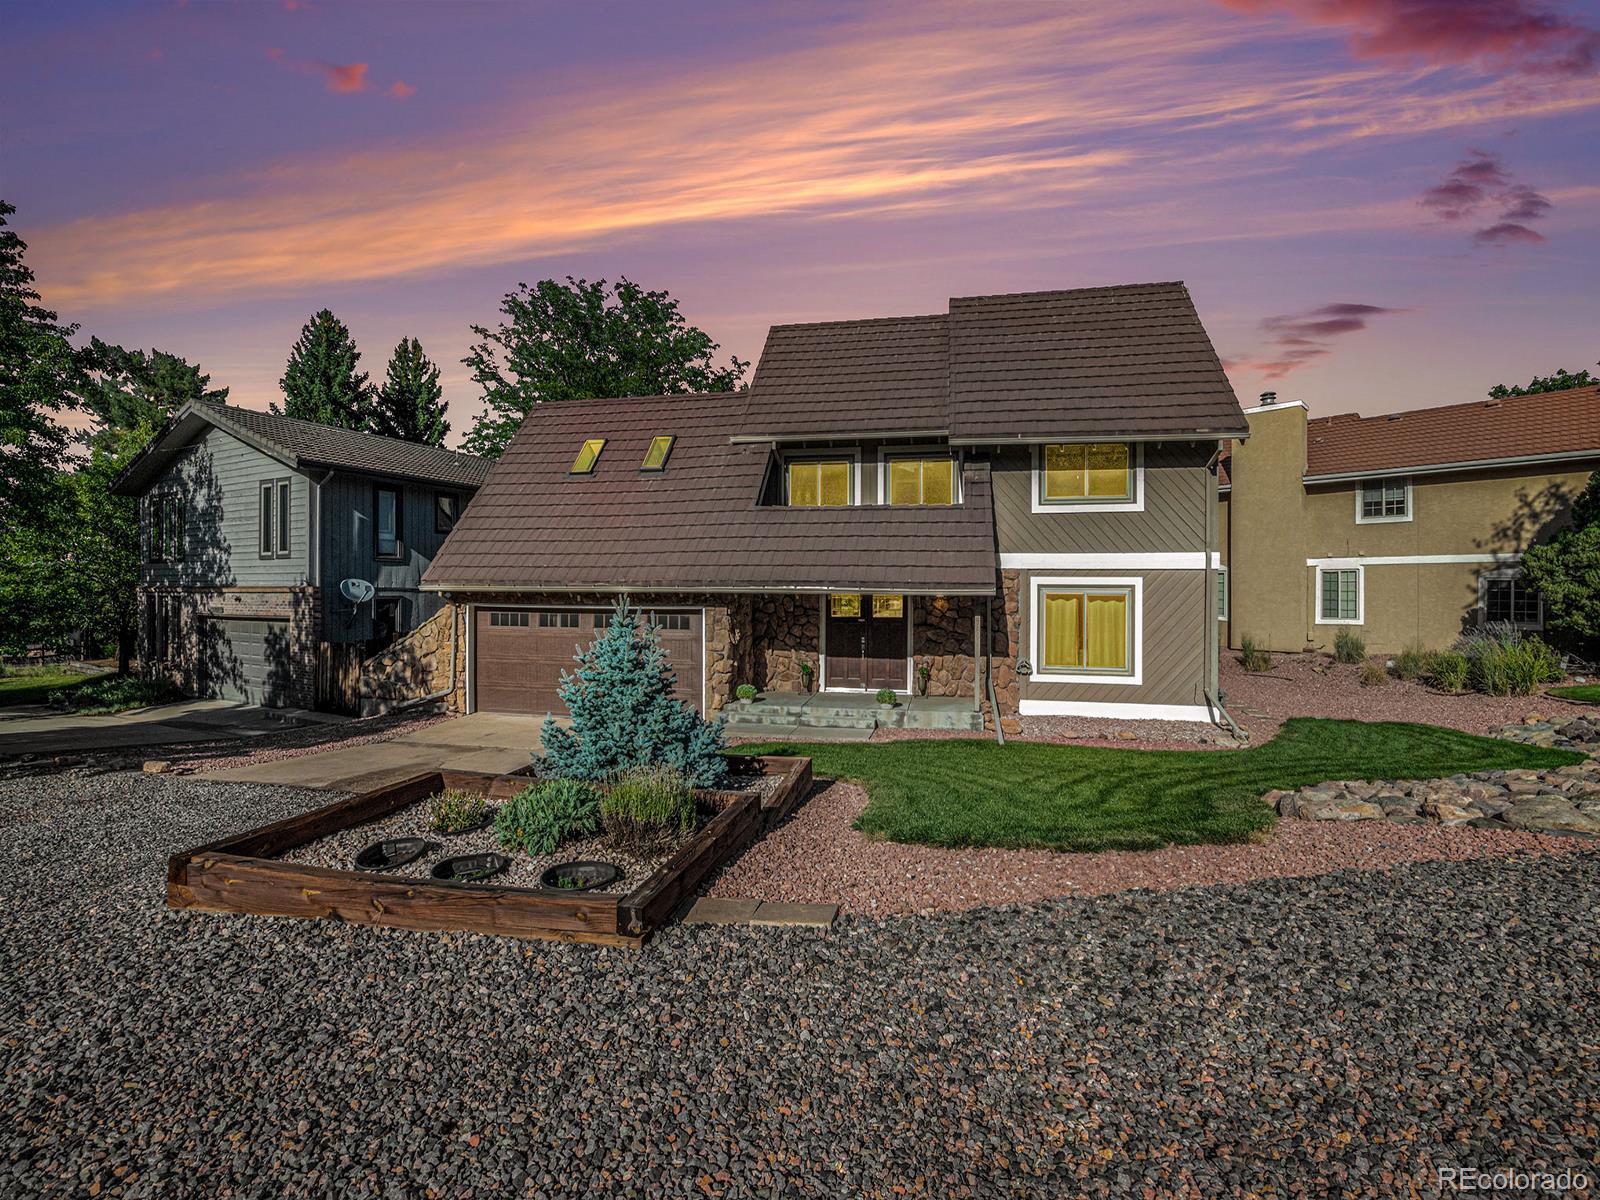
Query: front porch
x,y
844,716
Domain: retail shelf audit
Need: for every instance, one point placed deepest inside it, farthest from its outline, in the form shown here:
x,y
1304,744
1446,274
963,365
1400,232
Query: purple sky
x,y
1377,204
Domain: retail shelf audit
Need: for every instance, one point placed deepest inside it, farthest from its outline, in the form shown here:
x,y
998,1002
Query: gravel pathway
x,y
1347,1034
816,857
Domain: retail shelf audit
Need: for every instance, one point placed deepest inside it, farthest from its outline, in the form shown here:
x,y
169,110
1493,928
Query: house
x,y
1017,495
251,521
1406,528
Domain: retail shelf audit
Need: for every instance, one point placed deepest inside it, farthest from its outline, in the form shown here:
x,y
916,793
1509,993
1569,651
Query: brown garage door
x,y
519,653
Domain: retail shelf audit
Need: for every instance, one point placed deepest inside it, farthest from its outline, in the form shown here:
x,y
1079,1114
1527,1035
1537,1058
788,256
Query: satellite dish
x,y
357,591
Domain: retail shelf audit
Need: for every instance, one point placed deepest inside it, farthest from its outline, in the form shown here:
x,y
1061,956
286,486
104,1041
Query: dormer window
x,y
920,480
819,483
588,456
655,458
1088,477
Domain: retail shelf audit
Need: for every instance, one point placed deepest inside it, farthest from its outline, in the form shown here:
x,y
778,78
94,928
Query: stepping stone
x,y
811,916
717,910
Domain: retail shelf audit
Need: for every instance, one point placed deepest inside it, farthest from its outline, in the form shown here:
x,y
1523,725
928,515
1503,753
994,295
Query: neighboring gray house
x,y
250,522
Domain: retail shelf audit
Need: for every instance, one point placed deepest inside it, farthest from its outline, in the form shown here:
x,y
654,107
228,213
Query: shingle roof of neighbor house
x,y
1130,361
1482,431
304,444
697,525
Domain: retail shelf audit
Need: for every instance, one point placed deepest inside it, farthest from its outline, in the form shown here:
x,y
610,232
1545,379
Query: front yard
x,y
33,685
972,792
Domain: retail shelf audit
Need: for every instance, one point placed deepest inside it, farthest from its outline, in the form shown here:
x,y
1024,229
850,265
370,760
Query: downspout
x,y
1212,653
988,667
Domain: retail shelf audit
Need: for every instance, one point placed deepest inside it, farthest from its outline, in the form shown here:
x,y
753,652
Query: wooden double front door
x,y
866,646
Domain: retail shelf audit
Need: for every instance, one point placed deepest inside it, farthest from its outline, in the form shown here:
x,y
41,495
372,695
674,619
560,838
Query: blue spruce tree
x,y
625,715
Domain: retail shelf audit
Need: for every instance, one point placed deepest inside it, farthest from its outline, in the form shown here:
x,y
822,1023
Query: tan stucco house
x,y
1408,528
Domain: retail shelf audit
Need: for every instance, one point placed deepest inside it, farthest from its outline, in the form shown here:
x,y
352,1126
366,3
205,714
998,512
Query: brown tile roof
x,y
854,377
695,526
1484,430
1131,360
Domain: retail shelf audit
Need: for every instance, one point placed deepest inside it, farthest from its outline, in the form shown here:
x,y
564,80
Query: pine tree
x,y
410,405
625,715
321,382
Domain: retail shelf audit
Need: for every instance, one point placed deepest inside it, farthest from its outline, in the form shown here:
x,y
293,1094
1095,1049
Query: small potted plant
x,y
924,671
885,698
746,692
806,671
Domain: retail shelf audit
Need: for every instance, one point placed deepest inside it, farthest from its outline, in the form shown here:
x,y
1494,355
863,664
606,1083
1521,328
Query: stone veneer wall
x,y
417,665
728,644
942,640
1006,638
785,632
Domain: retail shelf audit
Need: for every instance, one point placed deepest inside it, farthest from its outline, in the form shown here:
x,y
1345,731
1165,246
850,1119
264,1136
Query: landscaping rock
x,y
157,766
1543,813
1341,809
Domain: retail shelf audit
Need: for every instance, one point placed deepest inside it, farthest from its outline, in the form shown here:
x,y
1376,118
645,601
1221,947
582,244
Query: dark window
x,y
385,623
508,620
386,530
1385,500
273,527
164,531
558,620
445,511
1512,601
678,621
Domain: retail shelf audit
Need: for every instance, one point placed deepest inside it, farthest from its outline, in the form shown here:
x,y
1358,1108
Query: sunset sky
x,y
1377,204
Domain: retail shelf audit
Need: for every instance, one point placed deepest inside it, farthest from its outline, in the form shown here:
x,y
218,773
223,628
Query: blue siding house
x,y
251,521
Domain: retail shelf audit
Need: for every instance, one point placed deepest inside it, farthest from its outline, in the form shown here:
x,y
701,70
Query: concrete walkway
x,y
496,743
35,729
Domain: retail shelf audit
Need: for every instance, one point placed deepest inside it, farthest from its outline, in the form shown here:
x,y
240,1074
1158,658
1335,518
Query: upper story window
x,y
386,523
165,532
588,456
273,539
814,483
1089,476
920,480
446,508
655,458
1383,500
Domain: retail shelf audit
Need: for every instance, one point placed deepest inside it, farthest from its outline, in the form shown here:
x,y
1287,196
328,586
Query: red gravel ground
x,y
1295,688
816,857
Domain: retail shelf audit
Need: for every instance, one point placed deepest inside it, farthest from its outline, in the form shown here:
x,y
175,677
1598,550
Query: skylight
x,y
588,456
655,458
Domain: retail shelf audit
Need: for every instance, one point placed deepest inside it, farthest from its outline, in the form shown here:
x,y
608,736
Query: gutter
x,y
1470,464
1217,705
693,589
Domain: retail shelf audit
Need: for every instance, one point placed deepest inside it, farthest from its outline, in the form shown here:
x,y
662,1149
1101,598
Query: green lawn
x,y
972,792
33,685
1589,693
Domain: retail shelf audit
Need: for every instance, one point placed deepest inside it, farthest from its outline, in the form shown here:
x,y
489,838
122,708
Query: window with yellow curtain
x,y
1085,629
819,484
1087,472
922,481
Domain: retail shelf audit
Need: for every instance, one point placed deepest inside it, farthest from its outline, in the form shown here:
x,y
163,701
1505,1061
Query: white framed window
x,y
1340,594
1222,593
1087,629
273,530
1503,598
822,480
1084,477
919,475
1379,500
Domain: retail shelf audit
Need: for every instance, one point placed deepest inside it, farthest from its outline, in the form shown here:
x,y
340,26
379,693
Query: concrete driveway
x,y
35,729
496,743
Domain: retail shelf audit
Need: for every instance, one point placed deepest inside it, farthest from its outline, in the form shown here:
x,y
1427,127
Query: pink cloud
x,y
400,90
1519,36
1300,338
338,77
1507,233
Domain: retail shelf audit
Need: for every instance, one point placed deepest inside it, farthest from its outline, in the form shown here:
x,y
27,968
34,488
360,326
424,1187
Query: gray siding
x,y
1177,487
349,552
219,479
1177,630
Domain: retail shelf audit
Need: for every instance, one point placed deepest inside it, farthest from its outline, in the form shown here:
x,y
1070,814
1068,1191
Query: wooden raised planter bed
x,y
242,873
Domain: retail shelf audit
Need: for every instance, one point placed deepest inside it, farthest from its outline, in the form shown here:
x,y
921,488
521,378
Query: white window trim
x,y
1116,710
1134,505
853,456
1410,502
1511,573
887,454
1040,583
1361,591
1226,598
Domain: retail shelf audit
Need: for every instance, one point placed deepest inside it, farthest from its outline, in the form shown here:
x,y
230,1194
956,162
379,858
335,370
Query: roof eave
x,y
1475,464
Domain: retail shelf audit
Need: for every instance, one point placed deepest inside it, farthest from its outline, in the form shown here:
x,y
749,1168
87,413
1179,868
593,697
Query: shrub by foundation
x,y
1348,647
1412,662
1252,658
1448,670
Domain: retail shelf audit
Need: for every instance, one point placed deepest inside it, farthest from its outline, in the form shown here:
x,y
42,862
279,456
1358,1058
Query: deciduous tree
x,y
577,340
1561,381
1566,570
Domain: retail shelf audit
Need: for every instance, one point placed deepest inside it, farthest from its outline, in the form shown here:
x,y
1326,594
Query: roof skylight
x,y
655,458
588,456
